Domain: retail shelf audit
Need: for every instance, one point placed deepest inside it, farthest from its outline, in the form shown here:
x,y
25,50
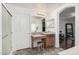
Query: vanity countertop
x,y
38,35
42,33
47,33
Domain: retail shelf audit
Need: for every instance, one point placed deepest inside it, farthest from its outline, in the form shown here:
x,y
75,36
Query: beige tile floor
x,y
46,51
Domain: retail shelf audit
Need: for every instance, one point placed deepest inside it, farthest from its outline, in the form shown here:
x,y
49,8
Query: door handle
x,y
4,36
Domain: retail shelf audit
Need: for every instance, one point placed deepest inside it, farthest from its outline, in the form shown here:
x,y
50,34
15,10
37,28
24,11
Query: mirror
x,y
36,24
50,25
69,30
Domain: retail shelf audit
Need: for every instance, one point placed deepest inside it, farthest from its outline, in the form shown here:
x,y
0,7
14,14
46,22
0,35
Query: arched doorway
x,y
67,27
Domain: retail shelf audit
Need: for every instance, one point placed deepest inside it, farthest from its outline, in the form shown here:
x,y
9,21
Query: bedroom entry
x,y
67,28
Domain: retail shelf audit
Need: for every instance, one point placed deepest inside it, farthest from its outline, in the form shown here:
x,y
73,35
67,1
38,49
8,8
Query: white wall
x,y
77,25
0,31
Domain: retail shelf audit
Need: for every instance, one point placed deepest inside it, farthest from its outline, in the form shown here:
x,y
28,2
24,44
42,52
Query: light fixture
x,y
41,10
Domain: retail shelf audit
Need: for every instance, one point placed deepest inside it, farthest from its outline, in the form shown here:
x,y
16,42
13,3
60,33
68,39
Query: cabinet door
x,y
6,31
50,40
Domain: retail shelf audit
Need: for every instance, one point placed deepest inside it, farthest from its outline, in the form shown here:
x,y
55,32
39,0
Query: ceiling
x,y
68,12
45,7
25,5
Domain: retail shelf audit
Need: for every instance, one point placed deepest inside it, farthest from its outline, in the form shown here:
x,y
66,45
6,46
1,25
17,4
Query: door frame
x,y
57,27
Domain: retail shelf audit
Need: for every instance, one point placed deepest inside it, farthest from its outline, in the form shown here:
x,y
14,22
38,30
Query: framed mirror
x,y
50,23
69,30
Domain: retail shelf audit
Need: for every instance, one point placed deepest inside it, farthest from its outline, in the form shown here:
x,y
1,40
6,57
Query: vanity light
x,y
41,10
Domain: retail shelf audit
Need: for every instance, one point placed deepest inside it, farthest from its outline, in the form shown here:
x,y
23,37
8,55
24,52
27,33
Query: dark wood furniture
x,y
48,39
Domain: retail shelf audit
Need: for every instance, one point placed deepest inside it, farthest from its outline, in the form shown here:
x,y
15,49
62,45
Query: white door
x,y
6,31
21,31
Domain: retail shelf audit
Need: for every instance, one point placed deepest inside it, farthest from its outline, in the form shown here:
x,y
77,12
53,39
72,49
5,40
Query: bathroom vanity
x,y
42,29
48,38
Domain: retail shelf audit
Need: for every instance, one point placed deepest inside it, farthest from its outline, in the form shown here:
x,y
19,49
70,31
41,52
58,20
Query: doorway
x,y
67,28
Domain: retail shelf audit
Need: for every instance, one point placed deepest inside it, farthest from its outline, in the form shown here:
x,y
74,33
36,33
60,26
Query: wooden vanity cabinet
x,y
50,40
